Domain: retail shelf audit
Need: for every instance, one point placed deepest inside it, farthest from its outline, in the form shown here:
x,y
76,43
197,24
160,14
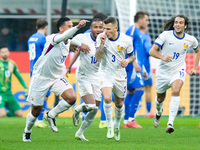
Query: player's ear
x,y
61,29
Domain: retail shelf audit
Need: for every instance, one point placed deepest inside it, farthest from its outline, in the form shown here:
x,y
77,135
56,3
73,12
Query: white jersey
x,y
114,52
51,64
175,47
89,66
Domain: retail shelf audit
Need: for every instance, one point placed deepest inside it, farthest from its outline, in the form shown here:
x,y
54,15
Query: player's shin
x,y
108,113
173,108
61,107
119,112
30,120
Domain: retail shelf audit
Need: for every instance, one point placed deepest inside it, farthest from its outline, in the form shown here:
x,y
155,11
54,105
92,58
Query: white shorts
x,y
86,87
39,87
164,81
119,86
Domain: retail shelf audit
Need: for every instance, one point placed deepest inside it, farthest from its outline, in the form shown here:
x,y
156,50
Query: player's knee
x,y
108,99
71,99
176,92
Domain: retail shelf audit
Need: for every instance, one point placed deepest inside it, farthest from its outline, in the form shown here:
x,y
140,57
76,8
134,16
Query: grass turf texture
x,y
185,137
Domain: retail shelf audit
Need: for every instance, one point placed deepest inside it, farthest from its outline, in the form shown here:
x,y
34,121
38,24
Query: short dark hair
x,y
61,22
96,19
110,20
41,23
100,16
169,24
140,14
3,46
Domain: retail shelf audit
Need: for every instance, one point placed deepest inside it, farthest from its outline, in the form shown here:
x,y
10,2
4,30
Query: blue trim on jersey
x,y
116,38
177,36
92,37
49,48
196,48
66,43
130,53
157,44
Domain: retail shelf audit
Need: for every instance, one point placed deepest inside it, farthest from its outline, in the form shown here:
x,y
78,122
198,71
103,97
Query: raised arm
x,y
69,33
100,50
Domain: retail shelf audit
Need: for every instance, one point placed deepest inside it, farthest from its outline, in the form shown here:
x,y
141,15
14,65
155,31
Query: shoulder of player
x,y
122,35
11,61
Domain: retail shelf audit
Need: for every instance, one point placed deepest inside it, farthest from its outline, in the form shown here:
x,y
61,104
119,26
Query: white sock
x,y
30,120
119,112
85,107
125,121
158,107
89,118
173,108
108,113
62,106
130,119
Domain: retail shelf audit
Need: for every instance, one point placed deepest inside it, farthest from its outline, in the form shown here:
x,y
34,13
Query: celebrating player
x,y
36,44
112,47
171,72
48,75
87,76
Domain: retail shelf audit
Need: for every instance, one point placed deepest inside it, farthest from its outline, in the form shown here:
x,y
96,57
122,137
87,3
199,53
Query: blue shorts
x,y
134,80
149,81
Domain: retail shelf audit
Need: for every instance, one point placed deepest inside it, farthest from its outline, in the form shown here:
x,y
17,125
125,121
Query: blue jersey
x,y
147,46
135,33
134,79
35,44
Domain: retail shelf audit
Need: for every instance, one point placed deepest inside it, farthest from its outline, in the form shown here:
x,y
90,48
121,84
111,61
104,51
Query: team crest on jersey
x,y
84,90
120,48
185,46
101,82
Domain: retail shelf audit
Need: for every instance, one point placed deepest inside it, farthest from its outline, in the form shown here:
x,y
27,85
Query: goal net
x,y
160,11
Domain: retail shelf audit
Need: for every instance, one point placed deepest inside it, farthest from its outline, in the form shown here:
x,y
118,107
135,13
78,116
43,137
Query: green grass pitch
x,y
185,137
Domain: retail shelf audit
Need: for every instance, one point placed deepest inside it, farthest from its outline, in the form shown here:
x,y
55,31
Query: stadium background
x,y
17,23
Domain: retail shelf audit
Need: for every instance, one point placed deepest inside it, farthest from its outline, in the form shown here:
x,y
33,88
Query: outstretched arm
x,y
69,33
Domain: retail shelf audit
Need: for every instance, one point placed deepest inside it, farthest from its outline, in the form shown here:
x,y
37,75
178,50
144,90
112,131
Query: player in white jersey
x,y
48,75
112,47
174,43
87,76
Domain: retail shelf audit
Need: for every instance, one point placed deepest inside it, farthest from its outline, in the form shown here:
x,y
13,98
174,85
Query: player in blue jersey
x,y
148,81
135,82
36,44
